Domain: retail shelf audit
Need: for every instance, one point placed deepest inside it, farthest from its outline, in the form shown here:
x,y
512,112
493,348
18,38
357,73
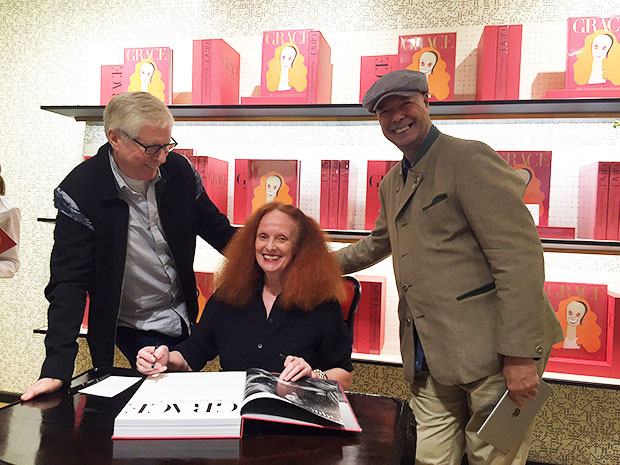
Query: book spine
x,y
343,195
324,202
334,180
217,181
377,317
361,327
240,193
111,82
313,67
502,62
486,63
513,65
554,232
228,76
207,71
84,324
602,197
613,204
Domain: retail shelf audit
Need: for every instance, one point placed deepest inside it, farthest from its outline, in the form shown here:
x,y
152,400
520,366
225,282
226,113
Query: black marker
x,y
153,364
90,382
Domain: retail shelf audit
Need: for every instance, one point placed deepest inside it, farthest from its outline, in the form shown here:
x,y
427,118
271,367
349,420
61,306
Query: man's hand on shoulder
x,y
41,386
521,378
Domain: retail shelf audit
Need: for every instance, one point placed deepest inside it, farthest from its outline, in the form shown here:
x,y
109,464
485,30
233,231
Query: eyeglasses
x,y
154,149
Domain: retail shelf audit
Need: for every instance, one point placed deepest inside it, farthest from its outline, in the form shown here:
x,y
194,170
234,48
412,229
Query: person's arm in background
x,y
9,259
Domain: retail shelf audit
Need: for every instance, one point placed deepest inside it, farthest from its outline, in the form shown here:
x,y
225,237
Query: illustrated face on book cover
x,y
533,192
598,61
287,70
428,61
579,322
147,78
271,188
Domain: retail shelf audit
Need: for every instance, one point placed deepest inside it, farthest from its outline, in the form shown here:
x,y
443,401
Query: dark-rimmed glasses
x,y
154,149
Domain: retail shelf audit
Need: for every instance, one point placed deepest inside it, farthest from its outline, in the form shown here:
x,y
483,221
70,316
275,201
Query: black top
x,y
244,338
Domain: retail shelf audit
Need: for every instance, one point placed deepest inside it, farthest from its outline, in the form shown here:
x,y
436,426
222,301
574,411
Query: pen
x,y
90,382
153,364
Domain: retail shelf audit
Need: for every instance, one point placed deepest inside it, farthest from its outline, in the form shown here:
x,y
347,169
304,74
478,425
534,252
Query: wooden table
x,y
76,429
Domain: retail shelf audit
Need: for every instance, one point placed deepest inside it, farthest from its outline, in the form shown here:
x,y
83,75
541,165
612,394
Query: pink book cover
x,y
111,82
582,310
377,169
593,58
285,60
334,187
240,191
613,202
6,242
149,69
215,73
272,181
377,314
319,70
374,67
486,64
214,174
556,232
593,198
435,56
361,326
534,167
343,195
508,69
204,289
324,202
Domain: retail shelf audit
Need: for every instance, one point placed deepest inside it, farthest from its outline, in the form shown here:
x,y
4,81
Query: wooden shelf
x,y
501,109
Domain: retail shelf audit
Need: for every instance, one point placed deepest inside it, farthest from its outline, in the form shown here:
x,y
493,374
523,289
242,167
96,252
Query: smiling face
x,y
575,311
601,45
130,157
427,62
275,239
405,121
287,55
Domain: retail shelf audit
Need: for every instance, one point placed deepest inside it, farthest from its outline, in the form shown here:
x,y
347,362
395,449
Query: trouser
x,y
447,418
130,341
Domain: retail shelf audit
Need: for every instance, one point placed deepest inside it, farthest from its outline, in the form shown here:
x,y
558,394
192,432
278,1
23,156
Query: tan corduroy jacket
x,y
467,259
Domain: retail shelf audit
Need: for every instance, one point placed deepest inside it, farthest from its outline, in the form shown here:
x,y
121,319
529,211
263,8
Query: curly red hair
x,y
312,277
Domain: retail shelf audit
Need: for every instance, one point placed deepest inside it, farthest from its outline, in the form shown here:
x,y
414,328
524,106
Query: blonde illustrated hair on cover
x,y
147,78
611,63
439,78
588,330
533,192
312,277
296,74
267,187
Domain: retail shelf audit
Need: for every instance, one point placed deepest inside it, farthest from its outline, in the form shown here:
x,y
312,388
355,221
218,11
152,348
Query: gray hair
x,y
130,111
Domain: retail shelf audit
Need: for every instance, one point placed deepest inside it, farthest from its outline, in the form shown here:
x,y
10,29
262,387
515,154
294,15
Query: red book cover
x,y
84,324
272,181
319,70
111,82
486,64
556,232
334,187
586,313
593,198
343,195
361,325
374,174
240,192
508,62
6,242
534,168
374,67
435,56
324,202
593,58
204,289
215,73
149,69
377,314
214,174
613,202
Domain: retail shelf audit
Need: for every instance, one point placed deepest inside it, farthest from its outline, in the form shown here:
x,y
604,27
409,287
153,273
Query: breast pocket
x,y
437,199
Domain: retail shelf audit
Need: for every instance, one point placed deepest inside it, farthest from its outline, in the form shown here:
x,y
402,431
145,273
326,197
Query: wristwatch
x,y
320,374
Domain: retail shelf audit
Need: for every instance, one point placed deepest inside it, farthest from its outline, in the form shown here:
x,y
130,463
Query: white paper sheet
x,y
110,386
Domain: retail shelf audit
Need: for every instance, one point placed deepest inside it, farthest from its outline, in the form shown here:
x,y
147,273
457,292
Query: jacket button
x,y
260,346
405,287
398,189
408,320
539,350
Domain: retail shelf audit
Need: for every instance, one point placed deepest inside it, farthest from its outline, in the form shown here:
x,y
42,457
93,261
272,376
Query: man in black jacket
x,y
125,236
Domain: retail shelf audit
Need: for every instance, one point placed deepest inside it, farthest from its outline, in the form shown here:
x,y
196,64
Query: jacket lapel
x,y
404,193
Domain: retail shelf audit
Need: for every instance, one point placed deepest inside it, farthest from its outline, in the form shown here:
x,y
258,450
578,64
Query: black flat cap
x,y
402,82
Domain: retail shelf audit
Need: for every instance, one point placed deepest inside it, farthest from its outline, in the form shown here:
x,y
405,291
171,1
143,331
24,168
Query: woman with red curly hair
x,y
275,306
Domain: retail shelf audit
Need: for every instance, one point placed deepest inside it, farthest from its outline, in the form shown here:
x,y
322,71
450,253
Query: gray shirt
x,y
151,299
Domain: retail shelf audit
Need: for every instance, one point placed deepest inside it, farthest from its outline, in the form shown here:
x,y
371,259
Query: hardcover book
x,y
377,169
593,201
343,196
240,191
593,58
217,404
204,289
534,168
499,63
586,316
6,242
111,82
325,194
369,327
556,232
214,175
435,56
215,73
372,68
613,202
334,182
149,69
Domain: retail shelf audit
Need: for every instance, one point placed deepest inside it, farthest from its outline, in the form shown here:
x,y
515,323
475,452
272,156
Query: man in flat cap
x,y
474,318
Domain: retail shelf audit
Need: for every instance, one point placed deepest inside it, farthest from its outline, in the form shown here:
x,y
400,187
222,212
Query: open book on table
x,y
210,405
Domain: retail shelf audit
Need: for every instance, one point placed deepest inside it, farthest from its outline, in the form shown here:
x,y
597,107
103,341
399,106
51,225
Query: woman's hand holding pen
x,y
152,359
295,368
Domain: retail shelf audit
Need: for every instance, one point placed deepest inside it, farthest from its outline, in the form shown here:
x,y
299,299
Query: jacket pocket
x,y
438,198
478,291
